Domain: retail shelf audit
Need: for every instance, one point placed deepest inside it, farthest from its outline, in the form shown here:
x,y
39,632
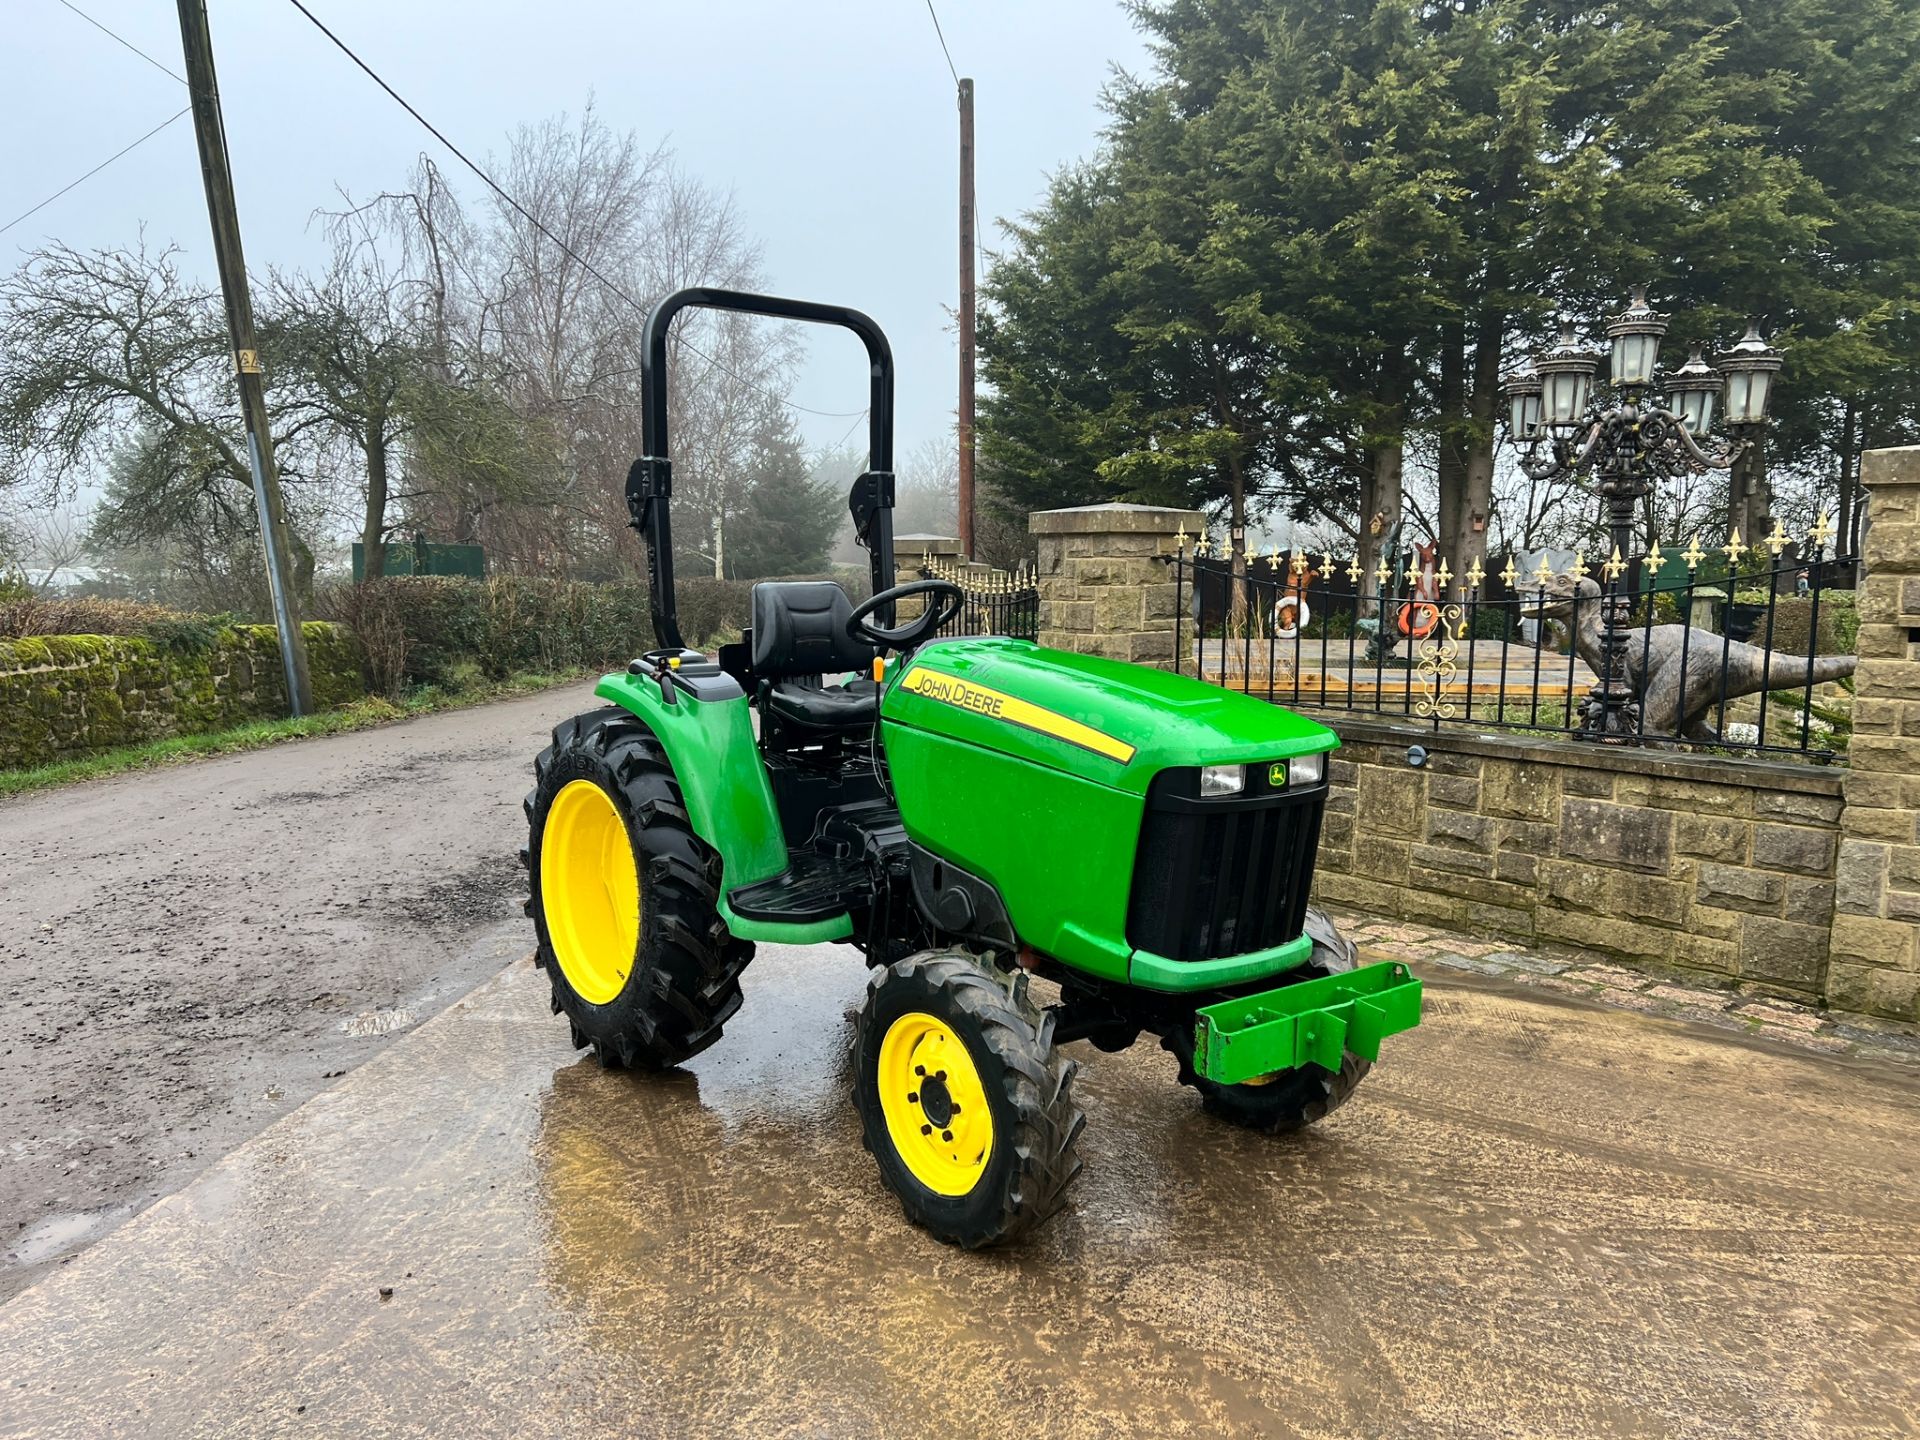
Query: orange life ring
x,y
1418,618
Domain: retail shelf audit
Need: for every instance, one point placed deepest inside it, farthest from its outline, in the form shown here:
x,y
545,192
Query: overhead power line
x,y
537,224
94,171
121,39
943,45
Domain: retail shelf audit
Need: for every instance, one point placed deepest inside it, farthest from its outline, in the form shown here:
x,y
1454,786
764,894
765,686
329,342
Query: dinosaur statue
x,y
1654,669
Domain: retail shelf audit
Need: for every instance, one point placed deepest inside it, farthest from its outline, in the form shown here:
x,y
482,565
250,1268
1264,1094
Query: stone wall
x,y
1876,934
1102,591
1678,861
63,696
1794,880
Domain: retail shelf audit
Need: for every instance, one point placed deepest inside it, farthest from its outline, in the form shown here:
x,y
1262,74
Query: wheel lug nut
x,y
913,1098
947,1135
919,1069
926,1129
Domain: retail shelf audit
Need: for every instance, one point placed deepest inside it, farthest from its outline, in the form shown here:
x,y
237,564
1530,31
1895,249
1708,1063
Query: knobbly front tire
x,y
1290,1099
940,1035
625,898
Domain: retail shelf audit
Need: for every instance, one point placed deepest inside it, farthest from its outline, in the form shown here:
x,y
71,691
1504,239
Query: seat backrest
x,y
800,628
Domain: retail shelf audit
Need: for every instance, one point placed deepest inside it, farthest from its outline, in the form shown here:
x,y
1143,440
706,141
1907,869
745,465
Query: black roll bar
x,y
650,481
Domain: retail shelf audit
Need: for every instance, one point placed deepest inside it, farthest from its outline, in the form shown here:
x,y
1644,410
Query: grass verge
x,y
360,715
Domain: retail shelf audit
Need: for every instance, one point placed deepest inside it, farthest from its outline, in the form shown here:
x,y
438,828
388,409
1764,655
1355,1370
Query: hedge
x,y
425,629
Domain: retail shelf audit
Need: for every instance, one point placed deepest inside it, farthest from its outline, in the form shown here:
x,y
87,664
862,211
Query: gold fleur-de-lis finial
x,y
1545,572
1298,564
1655,558
1327,563
1821,532
1202,545
1444,575
1779,539
1354,572
1735,549
1413,570
1180,537
1475,574
1510,577
1693,554
1579,566
1614,567
1383,572
1273,557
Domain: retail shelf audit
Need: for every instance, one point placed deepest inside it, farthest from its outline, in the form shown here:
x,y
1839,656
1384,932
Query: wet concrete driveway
x,y
1537,1219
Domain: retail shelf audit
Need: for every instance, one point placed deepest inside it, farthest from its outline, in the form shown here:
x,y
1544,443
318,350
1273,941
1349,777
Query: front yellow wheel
x,y
936,1107
590,889
963,1099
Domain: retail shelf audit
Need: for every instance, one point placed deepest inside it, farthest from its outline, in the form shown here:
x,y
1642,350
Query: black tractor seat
x,y
835,708
800,635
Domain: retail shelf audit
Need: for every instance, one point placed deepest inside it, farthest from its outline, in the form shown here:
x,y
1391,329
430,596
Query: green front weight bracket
x,y
1309,1022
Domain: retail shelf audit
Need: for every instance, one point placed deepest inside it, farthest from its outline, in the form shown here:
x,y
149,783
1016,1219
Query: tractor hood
x,y
1103,719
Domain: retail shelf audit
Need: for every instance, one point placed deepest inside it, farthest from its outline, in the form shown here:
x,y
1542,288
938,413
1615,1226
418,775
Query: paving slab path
x,y
189,953
1539,1217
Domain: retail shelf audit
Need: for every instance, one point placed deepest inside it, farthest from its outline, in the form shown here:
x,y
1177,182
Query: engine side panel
x,y
1058,847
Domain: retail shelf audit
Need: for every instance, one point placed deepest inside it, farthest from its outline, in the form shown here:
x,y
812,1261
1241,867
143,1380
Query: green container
x,y
420,557
1310,1022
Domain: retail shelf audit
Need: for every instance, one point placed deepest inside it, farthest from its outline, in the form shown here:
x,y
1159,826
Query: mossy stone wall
x,y
65,696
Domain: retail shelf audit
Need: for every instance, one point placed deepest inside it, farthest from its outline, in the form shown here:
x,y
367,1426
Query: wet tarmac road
x,y
1537,1219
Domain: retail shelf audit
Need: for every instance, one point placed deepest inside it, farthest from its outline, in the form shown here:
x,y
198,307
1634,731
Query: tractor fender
x,y
716,762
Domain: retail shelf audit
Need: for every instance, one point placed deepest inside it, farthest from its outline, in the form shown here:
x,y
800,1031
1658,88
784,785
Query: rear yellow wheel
x,y
625,902
591,891
935,1105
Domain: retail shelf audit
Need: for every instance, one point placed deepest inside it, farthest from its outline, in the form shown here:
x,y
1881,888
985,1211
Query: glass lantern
x,y
1635,333
1566,379
1691,391
1749,368
1522,389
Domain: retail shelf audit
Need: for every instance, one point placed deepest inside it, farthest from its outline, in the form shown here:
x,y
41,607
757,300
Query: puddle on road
x,y
379,1022
56,1234
721,1230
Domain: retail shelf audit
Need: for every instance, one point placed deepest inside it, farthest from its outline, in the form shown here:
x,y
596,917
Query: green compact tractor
x,y
968,813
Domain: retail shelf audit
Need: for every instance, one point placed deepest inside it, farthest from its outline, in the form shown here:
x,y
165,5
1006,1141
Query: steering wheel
x,y
951,598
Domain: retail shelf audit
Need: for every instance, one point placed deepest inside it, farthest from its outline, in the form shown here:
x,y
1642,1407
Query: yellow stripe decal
x,y
999,705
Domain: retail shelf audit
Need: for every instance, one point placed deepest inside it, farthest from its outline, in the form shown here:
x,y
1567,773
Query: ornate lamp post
x,y
1628,439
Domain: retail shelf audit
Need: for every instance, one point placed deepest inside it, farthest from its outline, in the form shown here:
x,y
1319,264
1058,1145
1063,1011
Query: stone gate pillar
x,y
1875,955
909,553
1102,592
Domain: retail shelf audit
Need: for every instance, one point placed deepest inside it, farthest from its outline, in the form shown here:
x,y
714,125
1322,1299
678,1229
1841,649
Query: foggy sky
x,y
832,121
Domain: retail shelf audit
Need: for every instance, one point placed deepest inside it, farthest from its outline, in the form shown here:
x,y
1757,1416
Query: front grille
x,y
1225,875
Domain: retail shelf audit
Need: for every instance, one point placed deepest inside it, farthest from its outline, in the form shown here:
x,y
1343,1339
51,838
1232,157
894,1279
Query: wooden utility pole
x,y
210,132
966,318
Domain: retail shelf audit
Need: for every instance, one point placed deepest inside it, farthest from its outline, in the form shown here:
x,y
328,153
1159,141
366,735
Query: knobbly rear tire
x,y
1292,1099
684,982
1026,1084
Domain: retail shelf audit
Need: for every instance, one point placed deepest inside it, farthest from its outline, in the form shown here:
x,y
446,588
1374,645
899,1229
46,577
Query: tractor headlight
x,y
1307,769
1222,779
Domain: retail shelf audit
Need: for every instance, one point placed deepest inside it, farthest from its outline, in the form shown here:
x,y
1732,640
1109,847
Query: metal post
x,y
966,318
209,131
1610,709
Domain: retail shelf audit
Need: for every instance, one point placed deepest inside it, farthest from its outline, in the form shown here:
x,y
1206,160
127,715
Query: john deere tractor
x,y
968,814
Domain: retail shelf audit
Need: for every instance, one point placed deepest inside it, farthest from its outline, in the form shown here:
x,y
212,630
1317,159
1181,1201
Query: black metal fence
x,y
998,602
1745,663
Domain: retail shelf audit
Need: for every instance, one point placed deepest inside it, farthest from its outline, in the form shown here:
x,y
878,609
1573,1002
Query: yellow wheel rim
x,y
935,1105
589,891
